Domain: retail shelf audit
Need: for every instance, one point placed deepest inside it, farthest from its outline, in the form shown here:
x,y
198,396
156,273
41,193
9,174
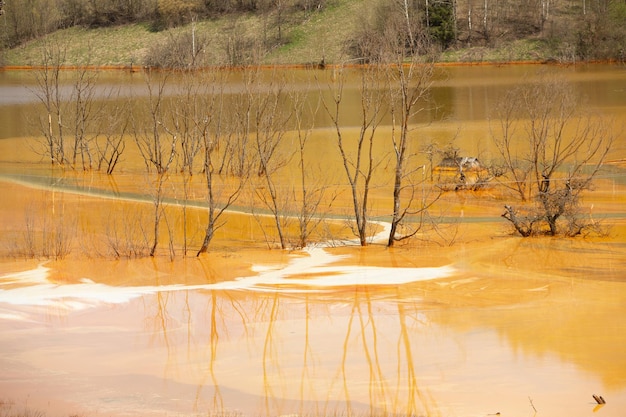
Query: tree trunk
x,y
208,236
210,226
396,200
511,215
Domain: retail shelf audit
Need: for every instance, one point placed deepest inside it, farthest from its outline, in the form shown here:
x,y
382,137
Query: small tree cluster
x,y
49,231
398,22
440,21
235,141
24,20
550,150
77,133
184,50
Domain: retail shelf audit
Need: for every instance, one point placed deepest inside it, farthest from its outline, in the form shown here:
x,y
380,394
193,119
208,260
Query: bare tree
x,y
85,115
312,188
274,113
270,119
49,92
26,19
407,16
72,121
552,150
409,88
223,187
115,123
358,157
399,19
235,157
157,145
189,120
518,174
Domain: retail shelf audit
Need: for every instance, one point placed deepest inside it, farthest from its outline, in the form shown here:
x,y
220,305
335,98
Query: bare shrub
x,y
177,12
399,22
111,145
23,21
8,408
240,49
551,151
178,51
127,235
49,232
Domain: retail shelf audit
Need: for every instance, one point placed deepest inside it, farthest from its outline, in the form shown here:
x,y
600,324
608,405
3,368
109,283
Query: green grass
x,y
518,50
120,45
320,34
306,38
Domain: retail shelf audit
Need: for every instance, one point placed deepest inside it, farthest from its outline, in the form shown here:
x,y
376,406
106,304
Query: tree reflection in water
x,y
467,344
316,353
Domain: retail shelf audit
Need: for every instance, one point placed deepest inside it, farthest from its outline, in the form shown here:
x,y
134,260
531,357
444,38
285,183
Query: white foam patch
x,y
33,276
312,273
12,316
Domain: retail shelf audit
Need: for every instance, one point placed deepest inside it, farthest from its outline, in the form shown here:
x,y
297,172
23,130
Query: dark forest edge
x,y
197,33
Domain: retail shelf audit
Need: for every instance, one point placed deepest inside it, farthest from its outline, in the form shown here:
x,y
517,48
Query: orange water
x,y
508,325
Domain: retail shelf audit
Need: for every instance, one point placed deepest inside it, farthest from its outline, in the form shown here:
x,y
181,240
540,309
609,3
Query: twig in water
x,y
531,403
599,399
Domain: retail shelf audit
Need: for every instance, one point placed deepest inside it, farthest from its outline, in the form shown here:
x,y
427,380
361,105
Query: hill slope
x,y
300,37
321,35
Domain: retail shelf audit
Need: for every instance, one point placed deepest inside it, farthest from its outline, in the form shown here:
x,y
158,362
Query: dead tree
x,y
312,187
270,120
223,187
115,124
409,88
359,159
552,151
85,115
49,92
157,146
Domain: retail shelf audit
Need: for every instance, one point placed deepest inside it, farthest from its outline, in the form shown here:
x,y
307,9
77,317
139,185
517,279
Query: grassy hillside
x,y
308,37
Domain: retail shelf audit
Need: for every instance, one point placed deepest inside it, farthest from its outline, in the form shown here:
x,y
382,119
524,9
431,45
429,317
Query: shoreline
x,y
320,66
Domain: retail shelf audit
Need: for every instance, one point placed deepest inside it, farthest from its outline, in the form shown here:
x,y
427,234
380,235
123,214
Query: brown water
x,y
483,323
